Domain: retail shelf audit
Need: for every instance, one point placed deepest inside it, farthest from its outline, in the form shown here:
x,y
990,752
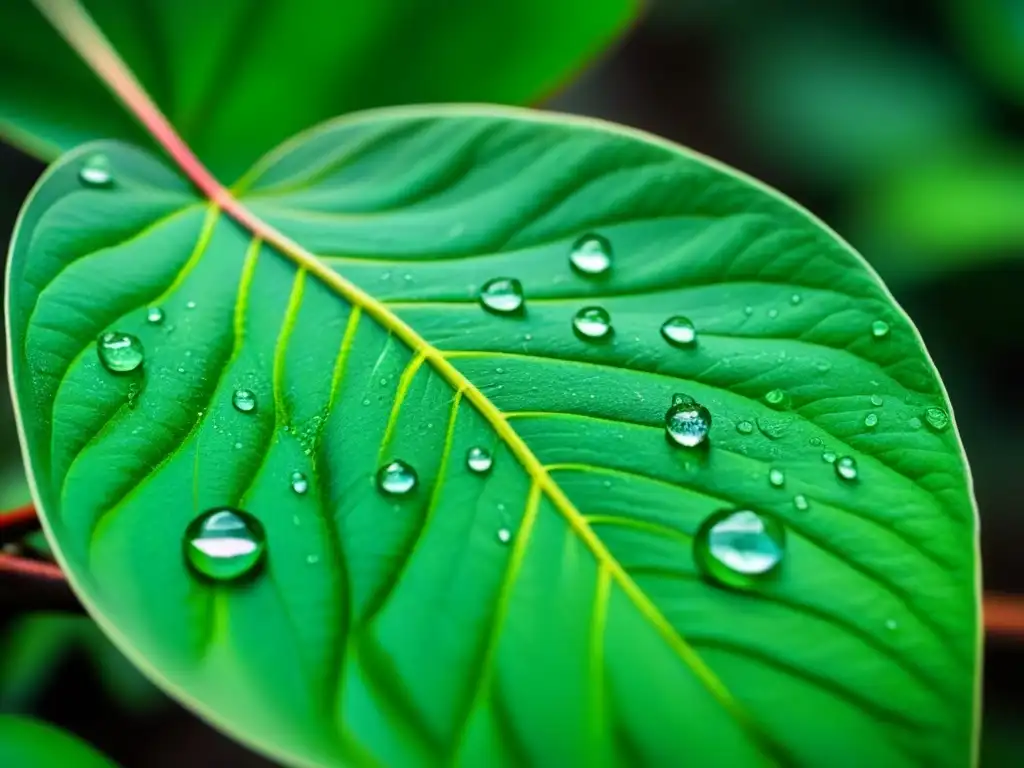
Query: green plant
x,y
479,435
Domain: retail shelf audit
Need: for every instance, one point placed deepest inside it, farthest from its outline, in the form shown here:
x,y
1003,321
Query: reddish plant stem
x,y
1004,615
21,516
30,568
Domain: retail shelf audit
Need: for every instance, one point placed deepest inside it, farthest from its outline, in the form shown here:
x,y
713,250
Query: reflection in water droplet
x,y
801,503
592,323
504,535
155,315
479,460
776,398
936,419
846,468
687,422
95,172
879,329
745,428
829,457
502,295
738,548
591,256
871,420
299,483
119,352
679,331
876,400
776,477
396,478
244,400
224,544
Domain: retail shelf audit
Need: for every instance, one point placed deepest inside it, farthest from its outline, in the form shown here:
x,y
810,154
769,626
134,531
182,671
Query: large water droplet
x,y
591,256
800,502
396,478
502,295
745,427
776,398
224,544
846,468
119,352
879,329
95,172
155,315
871,420
687,422
936,419
244,400
679,331
479,460
299,483
592,323
738,548
776,477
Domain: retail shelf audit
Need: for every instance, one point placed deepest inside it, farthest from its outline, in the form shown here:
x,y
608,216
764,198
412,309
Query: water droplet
x,y
679,331
479,460
914,423
829,457
591,256
224,544
244,400
876,400
879,329
687,422
772,428
396,478
795,299
238,446
871,420
745,428
312,559
119,352
817,442
846,468
800,502
502,295
155,315
504,535
891,624
748,310
936,419
95,172
737,548
299,483
592,323
190,305
773,313
776,477
776,398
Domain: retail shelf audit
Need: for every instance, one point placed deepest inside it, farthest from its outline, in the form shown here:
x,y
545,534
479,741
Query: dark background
x,y
888,120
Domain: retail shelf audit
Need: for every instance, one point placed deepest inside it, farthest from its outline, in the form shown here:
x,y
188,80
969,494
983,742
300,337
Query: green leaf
x,y
549,611
28,743
238,77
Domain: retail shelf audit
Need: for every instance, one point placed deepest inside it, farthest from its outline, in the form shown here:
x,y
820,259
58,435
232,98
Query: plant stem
x,y
33,569
17,522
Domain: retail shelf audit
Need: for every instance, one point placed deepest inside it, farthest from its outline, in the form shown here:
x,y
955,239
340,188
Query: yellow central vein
x,y
599,618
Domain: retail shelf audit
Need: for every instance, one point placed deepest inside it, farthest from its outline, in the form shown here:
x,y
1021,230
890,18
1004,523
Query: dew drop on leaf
x,y
738,548
244,400
776,398
679,331
748,310
871,420
773,313
299,483
936,419
776,477
914,423
592,323
396,478
829,457
772,428
591,256
879,329
502,295
876,400
891,624
190,305
800,502
95,172
119,352
795,299
745,427
687,422
504,535
846,468
224,544
155,315
479,460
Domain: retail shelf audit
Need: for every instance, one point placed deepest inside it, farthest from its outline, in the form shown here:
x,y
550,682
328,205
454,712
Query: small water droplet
x,y
155,315
687,422
592,323
244,400
914,423
817,442
879,329
891,624
846,468
773,313
772,428
800,502
479,460
366,401
748,310
190,305
504,535
679,331
829,457
224,544
936,419
745,427
871,420
119,352
396,478
776,477
95,172
299,483
795,299
591,256
776,398
238,446
738,548
502,295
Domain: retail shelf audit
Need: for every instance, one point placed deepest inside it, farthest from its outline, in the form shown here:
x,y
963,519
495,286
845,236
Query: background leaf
x,y
550,610
237,77
28,743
